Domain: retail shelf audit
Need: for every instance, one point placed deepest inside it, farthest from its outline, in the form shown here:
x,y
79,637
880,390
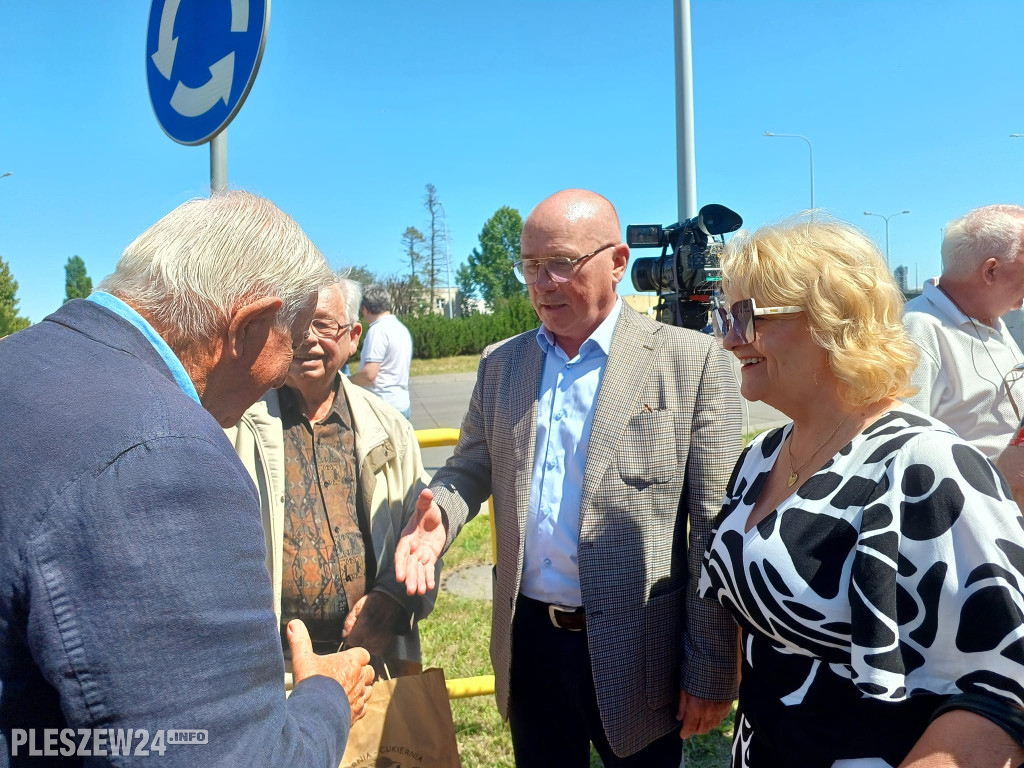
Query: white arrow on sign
x,y
192,102
168,45
239,15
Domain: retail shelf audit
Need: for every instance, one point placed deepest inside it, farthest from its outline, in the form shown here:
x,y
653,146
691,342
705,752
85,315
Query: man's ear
x,y
620,258
249,326
988,270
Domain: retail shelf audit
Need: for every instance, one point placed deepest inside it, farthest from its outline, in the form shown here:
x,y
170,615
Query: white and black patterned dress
x,y
888,584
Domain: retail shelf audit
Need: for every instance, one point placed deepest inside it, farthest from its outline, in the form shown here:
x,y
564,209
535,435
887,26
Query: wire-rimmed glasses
x,y
560,269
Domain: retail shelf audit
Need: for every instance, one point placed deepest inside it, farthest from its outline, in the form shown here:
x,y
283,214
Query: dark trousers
x,y
553,707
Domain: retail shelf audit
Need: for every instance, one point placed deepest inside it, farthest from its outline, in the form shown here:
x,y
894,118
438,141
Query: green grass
x,y
460,364
440,365
455,637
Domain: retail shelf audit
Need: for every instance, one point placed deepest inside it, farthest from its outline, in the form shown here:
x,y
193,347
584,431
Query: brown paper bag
x,y
408,724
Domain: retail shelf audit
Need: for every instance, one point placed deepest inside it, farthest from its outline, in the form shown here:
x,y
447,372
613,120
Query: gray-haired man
x,y
134,600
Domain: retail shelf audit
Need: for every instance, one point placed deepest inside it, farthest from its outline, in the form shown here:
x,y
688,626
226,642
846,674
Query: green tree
x,y
362,275
77,284
464,281
406,295
10,320
412,239
490,265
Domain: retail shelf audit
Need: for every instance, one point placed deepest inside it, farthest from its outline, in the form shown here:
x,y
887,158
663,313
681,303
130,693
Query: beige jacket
x,y
391,476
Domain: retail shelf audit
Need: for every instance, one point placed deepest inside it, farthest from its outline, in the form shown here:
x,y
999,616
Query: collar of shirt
x,y
119,308
945,306
600,339
339,408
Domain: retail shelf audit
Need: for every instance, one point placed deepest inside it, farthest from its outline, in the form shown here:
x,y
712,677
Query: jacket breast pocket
x,y
647,453
663,648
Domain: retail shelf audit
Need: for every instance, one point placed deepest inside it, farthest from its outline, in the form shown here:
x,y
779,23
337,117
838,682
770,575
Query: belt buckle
x,y
552,608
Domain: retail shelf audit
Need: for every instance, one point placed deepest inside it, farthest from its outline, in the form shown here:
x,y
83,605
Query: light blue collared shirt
x,y
119,308
565,414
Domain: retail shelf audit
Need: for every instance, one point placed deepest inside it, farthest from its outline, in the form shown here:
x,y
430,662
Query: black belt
x,y
561,617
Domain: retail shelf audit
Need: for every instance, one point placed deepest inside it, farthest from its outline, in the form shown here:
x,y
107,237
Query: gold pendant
x,y
792,479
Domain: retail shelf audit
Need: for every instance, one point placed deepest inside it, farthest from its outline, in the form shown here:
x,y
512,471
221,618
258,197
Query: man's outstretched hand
x,y
351,668
420,546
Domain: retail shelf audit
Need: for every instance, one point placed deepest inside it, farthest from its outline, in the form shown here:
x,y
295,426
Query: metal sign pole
x,y
219,163
686,160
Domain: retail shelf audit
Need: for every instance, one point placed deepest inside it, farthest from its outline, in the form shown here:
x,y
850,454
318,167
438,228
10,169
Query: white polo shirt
x,y
960,374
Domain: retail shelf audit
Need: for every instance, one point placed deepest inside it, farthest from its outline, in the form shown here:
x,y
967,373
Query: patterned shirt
x,y
325,536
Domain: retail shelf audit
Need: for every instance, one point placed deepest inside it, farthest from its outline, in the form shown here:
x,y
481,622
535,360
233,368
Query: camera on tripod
x,y
688,271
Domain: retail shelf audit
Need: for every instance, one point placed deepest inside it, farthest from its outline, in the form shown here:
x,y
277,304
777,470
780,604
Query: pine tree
x,y
10,320
77,284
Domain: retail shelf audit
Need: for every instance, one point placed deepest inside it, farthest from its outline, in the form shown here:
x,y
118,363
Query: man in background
x,y
338,473
387,352
966,376
133,592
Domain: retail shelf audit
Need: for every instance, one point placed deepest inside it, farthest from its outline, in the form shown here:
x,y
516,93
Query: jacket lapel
x,y
523,376
630,359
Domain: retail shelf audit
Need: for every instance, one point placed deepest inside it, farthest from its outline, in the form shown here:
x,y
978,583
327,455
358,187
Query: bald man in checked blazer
x,y
602,436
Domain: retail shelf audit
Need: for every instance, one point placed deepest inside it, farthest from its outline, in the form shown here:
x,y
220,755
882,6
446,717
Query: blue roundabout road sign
x,y
201,60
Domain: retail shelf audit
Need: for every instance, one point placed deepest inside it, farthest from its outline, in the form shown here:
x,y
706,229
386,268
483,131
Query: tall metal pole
x,y
886,219
810,148
219,162
686,158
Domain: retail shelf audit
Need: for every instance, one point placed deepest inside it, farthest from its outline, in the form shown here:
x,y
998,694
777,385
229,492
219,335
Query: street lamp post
x,y
810,148
4,175
886,218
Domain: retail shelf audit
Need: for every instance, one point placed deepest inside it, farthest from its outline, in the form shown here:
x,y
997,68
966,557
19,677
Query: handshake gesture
x,y
351,668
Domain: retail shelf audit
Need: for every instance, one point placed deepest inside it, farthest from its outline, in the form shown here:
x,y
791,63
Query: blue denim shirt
x,y
133,590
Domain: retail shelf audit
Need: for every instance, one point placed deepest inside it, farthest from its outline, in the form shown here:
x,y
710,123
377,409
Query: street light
x,y
900,213
3,175
1017,135
810,148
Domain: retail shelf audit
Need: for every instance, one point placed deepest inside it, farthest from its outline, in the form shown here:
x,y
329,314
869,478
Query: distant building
x,y
900,273
642,302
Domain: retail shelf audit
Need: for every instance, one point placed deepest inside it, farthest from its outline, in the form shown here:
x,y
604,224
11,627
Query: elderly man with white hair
x,y
338,472
134,599
966,369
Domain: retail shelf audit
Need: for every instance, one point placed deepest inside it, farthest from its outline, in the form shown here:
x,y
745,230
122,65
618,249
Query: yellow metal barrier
x,y
462,687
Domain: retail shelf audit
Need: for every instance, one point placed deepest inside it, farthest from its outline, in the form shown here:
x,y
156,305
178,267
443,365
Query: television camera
x,y
688,271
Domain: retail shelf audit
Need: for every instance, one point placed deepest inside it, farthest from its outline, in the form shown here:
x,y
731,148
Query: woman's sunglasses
x,y
740,316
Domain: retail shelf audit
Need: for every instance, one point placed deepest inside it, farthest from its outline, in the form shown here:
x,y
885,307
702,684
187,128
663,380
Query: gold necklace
x,y
794,474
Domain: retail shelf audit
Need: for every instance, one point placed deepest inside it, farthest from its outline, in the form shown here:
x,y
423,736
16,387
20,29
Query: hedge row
x,y
438,336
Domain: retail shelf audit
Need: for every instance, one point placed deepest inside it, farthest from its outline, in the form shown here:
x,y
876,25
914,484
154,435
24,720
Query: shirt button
x,y
551,464
337,529
547,561
569,366
558,416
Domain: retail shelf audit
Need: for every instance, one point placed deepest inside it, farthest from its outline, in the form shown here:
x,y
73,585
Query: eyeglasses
x,y
560,269
328,329
1015,374
740,315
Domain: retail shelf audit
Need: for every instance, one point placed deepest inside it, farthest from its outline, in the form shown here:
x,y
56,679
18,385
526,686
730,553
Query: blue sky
x,y
357,106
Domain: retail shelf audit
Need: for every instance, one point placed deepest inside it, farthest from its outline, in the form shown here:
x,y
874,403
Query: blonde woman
x,y
873,560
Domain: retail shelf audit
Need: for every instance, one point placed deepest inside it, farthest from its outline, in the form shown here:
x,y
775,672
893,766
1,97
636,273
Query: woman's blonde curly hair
x,y
838,276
